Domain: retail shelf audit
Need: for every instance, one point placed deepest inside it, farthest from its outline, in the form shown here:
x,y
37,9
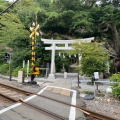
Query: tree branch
x,y
106,29
64,36
57,34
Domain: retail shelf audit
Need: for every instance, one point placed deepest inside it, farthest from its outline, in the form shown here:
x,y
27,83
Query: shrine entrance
x,y
54,47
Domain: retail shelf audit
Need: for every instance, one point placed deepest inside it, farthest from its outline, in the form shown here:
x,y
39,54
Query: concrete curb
x,y
28,79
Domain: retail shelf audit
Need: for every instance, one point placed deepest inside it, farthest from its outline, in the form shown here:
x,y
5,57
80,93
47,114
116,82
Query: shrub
x,y
116,87
15,71
4,69
115,77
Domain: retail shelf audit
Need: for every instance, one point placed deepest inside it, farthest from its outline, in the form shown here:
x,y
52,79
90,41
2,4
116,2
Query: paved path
x,y
70,82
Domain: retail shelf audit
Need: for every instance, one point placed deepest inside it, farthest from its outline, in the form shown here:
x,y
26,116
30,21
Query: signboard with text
x,y
96,75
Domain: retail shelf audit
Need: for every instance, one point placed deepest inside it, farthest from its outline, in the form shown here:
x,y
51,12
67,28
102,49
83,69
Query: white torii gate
x,y
66,47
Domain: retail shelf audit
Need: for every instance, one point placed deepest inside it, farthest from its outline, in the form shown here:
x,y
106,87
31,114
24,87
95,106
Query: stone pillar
x,y
108,67
20,76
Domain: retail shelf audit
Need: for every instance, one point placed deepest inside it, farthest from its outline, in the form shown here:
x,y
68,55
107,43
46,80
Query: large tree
x,y
61,19
73,20
27,11
13,35
106,19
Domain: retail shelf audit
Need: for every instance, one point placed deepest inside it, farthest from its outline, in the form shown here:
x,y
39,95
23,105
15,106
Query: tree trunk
x,y
116,38
117,66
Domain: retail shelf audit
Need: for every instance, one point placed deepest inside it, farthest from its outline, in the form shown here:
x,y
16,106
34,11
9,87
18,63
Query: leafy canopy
x,y
94,57
11,28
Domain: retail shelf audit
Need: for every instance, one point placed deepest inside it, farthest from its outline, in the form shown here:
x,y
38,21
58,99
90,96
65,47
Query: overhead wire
x,y
8,7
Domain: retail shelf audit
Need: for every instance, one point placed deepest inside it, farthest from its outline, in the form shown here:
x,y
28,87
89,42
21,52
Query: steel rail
x,y
84,110
7,97
42,110
17,89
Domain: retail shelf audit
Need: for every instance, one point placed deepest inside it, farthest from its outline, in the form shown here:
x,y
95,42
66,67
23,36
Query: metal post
x,y
23,77
10,70
10,74
23,63
97,91
78,82
94,89
27,68
35,69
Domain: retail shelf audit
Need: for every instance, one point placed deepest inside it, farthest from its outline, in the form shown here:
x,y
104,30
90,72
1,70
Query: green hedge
x,y
116,87
4,69
15,71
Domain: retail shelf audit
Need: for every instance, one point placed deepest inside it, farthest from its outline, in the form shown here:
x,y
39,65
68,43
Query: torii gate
x,y
66,47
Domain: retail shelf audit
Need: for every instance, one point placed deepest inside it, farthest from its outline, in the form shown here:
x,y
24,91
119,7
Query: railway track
x,y
12,92
90,115
6,92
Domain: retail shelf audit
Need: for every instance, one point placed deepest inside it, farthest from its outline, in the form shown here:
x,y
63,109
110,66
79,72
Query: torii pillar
x,y
66,47
52,71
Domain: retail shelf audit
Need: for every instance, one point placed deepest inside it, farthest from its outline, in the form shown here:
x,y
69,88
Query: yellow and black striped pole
x,y
35,70
33,46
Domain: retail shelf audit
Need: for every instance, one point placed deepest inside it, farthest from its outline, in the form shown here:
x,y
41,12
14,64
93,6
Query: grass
x,y
88,92
92,83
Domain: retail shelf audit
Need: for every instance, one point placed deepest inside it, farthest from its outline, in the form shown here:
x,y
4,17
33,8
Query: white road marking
x,y
42,90
10,107
17,104
35,95
73,102
73,109
30,98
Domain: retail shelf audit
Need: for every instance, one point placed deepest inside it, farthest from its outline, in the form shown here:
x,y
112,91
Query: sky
x,y
15,0
10,0
51,1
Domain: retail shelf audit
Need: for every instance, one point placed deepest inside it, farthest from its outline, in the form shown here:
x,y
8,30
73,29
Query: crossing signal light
x,y
7,56
38,44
